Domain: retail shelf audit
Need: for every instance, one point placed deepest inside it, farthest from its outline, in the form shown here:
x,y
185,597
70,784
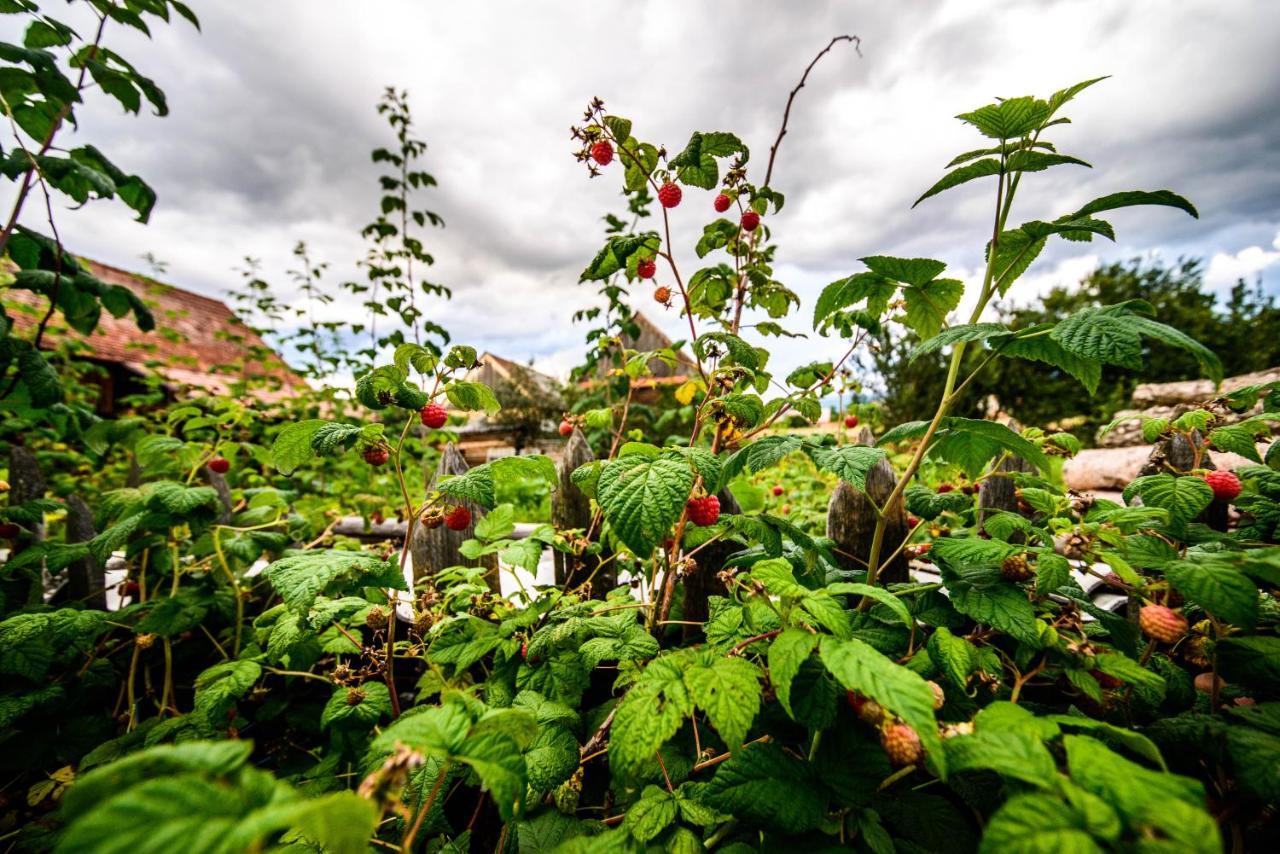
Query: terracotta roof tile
x,y
194,335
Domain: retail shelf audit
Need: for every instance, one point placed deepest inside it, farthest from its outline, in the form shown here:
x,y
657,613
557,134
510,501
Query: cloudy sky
x,y
272,120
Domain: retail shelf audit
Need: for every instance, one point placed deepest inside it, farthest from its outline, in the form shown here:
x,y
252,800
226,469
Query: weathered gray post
x,y
571,508
1177,454
27,483
1000,493
433,549
219,484
85,581
851,520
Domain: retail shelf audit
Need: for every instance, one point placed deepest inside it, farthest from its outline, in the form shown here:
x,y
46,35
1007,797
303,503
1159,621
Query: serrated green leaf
x,y
765,787
984,168
860,667
642,497
650,714
302,576
788,651
727,689
1226,593
472,396
954,656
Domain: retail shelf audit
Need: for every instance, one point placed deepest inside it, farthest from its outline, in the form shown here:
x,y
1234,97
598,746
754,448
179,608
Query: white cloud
x,y
1226,268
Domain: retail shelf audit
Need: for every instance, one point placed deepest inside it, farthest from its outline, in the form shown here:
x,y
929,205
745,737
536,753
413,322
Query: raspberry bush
x,y
269,683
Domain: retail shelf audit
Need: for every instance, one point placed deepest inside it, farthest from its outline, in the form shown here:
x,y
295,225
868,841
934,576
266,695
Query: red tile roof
x,y
194,336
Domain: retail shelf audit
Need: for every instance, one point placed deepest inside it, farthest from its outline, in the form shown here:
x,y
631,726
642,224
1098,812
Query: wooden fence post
x,y
434,549
85,580
219,484
27,483
851,521
999,493
1176,453
571,508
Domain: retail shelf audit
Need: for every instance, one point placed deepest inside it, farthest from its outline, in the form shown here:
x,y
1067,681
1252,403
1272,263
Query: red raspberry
x,y
1225,484
669,195
220,464
645,269
750,220
458,518
376,455
1162,624
912,521
901,745
566,428
722,203
433,416
524,649
602,152
777,490
850,421
130,589
9,531
704,511
945,487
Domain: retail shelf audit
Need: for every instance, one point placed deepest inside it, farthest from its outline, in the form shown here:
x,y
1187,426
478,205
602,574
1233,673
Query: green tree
x,y
1244,331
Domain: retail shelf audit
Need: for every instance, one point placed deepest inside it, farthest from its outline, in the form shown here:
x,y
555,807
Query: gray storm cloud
x,y
272,121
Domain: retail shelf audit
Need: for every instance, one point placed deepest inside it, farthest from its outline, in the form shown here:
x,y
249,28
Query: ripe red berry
x,y
1162,624
1225,484
433,416
722,203
566,428
704,511
524,649
376,455
130,589
901,745
669,195
646,268
850,421
912,521
945,487
220,464
9,531
777,490
750,220
602,152
458,518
